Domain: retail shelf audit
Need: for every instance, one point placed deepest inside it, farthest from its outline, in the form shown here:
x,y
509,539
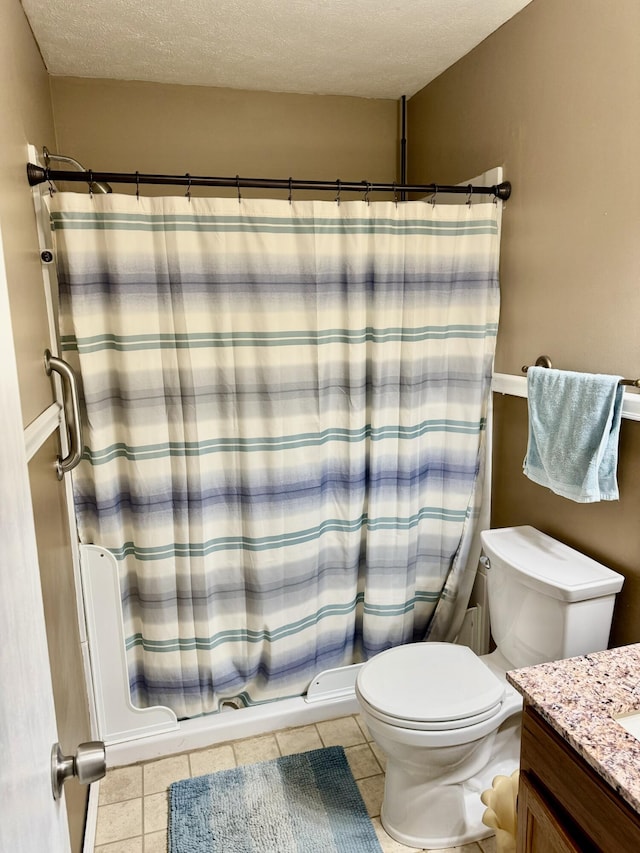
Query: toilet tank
x,y
546,600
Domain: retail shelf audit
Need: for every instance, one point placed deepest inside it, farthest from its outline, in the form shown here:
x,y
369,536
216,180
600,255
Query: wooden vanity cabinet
x,y
563,805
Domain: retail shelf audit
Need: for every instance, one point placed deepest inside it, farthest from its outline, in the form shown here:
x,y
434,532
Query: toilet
x,y
447,720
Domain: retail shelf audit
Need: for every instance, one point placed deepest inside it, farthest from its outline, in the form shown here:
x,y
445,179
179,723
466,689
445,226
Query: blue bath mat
x,y
305,803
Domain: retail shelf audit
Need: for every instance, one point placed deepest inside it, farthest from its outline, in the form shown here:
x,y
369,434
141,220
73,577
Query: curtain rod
x,y
39,175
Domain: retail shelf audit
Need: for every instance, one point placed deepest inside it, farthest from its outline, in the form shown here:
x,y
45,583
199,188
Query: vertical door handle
x,y
57,365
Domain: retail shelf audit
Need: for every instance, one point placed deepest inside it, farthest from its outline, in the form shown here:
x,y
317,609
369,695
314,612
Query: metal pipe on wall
x,y
403,145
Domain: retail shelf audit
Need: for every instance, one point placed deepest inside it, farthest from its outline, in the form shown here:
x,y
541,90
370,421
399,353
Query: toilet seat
x,y
429,687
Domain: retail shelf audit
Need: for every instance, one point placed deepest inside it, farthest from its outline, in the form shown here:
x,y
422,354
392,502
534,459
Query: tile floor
x,y
132,813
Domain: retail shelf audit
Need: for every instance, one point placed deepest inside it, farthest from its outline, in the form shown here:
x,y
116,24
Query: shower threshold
x,y
331,697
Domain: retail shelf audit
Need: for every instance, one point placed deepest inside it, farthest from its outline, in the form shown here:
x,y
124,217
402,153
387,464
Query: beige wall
x,y
554,96
26,116
152,127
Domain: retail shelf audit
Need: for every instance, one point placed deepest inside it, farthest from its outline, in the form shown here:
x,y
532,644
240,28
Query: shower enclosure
x,y
285,428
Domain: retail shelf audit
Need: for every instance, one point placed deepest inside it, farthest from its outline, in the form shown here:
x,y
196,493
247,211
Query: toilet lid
x,y
430,683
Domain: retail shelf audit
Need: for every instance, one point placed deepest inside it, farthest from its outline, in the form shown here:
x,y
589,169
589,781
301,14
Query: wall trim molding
x,y
516,386
41,428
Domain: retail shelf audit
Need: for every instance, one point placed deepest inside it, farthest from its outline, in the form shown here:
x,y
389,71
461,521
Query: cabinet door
x,y
540,829
590,813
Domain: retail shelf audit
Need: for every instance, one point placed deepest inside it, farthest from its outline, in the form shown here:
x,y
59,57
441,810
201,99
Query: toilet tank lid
x,y
549,565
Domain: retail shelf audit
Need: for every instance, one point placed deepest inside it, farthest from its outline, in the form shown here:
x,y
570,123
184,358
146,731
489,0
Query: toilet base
x,y
444,809
463,815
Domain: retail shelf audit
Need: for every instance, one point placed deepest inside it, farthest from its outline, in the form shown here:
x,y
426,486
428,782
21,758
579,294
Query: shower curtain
x,y
285,409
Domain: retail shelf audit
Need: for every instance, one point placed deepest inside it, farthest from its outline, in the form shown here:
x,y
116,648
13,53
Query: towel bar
x,y
516,386
545,361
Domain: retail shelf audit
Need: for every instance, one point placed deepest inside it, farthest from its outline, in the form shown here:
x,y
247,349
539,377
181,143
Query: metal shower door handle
x,y
57,365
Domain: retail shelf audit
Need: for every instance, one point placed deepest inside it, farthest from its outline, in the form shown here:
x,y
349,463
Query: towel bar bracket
x,y
541,361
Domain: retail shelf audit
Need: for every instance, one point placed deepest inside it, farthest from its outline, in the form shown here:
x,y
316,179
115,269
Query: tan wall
x,y
554,96
152,127
26,116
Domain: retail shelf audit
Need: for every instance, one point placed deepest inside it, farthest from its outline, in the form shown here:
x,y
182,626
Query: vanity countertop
x,y
578,697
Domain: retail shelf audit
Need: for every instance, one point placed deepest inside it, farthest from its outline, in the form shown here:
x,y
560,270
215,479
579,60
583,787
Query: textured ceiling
x,y
368,48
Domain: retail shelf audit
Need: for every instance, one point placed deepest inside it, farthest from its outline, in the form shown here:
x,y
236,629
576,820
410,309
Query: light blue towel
x,y
574,427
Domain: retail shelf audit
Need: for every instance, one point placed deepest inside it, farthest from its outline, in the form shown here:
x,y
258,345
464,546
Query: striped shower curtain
x,y
285,410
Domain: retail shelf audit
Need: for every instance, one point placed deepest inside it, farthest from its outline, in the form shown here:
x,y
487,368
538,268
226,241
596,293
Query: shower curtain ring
x,y
395,193
290,190
365,197
337,198
469,194
434,196
90,183
137,186
188,192
238,188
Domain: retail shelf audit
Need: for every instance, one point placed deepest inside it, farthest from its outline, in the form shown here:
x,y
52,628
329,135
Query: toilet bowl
x,y
443,753
446,719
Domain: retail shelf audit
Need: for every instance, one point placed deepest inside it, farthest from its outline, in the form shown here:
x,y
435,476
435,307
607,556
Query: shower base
x,y
230,725
139,734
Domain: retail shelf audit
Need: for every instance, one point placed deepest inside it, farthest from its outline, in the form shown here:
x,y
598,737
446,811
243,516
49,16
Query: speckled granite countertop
x,y
578,698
